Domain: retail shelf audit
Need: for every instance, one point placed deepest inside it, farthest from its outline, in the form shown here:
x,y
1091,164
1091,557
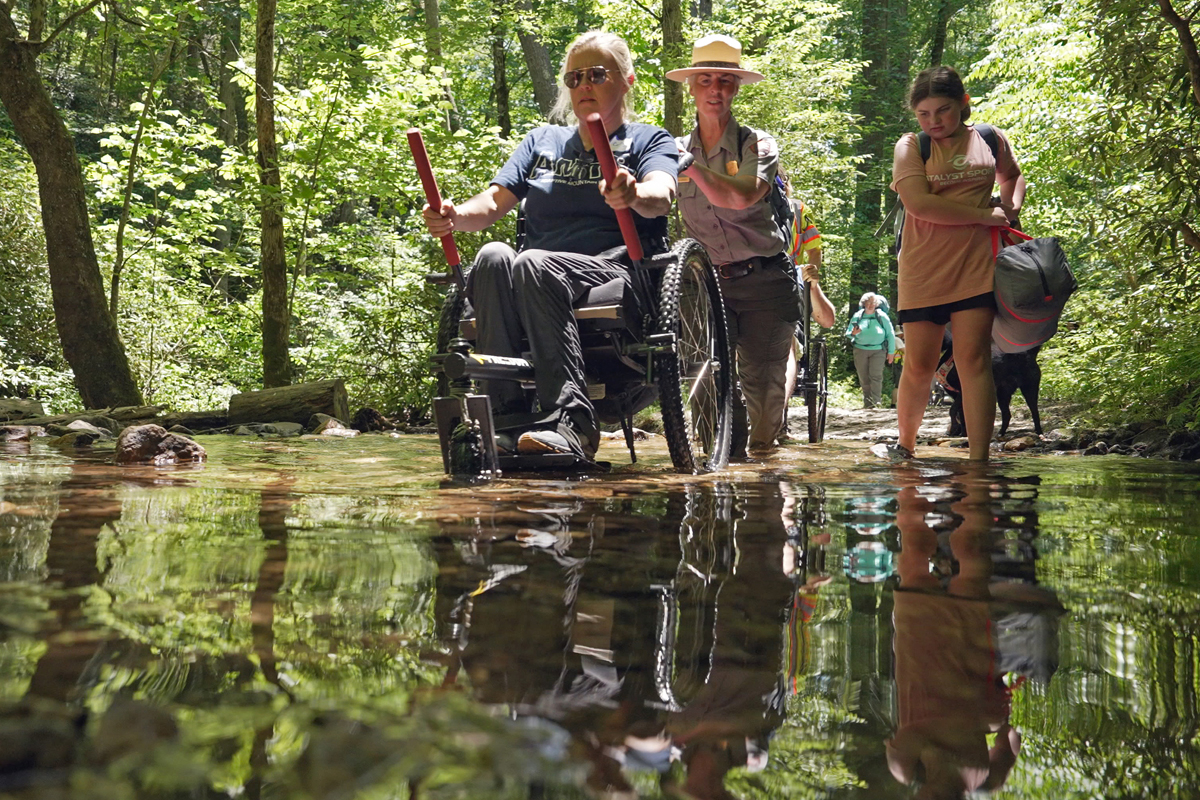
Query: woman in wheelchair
x,y
572,240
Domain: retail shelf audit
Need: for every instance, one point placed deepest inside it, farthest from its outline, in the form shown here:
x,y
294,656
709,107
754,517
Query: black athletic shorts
x,y
940,315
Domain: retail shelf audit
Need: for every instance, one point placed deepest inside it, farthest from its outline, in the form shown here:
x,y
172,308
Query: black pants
x,y
529,296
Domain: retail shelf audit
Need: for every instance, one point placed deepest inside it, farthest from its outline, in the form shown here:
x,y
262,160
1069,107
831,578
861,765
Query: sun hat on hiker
x,y
716,53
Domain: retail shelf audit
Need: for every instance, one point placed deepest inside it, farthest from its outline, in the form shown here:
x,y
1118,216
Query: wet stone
x,y
152,444
87,427
78,439
20,433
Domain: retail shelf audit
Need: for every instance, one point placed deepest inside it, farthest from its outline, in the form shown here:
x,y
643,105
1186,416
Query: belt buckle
x,y
735,269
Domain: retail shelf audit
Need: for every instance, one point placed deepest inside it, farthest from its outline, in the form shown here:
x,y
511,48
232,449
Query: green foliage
x,y
31,363
1107,140
1094,96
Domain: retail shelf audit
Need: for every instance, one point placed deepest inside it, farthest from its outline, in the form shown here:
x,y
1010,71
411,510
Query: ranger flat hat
x,y
716,53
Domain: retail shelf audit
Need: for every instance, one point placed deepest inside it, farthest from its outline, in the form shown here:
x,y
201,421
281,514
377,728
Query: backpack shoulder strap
x,y
989,135
982,128
743,134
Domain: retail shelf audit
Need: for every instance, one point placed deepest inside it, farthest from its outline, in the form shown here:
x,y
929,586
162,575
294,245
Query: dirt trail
x,y
872,424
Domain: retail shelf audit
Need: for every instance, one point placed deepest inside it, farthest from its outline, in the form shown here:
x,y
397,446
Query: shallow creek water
x,y
334,619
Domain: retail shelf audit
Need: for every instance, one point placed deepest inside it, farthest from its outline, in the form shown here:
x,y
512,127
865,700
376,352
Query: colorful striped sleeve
x,y
805,235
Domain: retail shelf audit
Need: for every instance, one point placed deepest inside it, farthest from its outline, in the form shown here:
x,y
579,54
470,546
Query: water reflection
x,y
650,632
966,637
875,632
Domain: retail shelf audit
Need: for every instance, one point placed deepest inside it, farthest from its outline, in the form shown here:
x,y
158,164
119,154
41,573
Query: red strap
x,y
1012,232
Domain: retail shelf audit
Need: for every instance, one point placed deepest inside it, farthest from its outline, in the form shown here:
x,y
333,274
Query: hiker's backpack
x,y
784,214
1033,283
896,215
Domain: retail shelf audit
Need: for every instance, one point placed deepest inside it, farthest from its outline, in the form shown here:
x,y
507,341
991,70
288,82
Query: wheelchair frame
x,y
812,373
670,342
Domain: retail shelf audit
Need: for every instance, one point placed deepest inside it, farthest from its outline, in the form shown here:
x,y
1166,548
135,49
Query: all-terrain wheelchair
x,y
660,337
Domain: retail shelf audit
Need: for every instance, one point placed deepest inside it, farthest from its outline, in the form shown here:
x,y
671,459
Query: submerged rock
x,y
151,444
77,439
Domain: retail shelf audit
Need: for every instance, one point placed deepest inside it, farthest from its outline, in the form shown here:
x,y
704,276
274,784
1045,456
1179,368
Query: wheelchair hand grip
x,y
608,167
429,183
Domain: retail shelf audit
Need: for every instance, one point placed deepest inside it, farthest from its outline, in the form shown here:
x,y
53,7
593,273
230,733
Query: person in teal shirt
x,y
874,339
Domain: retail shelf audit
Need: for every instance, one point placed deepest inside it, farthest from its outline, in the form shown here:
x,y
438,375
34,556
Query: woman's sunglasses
x,y
595,76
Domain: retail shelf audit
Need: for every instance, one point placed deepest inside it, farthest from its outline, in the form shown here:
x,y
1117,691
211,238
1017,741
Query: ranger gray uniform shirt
x,y
732,234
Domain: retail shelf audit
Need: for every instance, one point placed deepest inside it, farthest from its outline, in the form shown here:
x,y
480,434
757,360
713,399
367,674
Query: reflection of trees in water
x,y
178,619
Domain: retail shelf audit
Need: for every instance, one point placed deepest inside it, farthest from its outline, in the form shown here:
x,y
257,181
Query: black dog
x,y
1011,371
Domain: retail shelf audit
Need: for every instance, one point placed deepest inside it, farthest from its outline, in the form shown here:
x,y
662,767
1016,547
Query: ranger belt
x,y
740,269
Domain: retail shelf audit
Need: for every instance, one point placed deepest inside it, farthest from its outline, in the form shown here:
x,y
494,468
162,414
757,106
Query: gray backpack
x,y
1033,283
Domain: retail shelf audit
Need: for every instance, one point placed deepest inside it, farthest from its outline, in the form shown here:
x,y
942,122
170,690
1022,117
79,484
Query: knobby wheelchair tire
x,y
448,322
817,396
695,385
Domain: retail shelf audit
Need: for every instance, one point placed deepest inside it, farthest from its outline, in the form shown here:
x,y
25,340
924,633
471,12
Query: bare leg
x,y
922,346
972,332
790,378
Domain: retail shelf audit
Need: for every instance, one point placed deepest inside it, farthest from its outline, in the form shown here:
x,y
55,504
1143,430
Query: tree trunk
x,y
899,65
232,103
937,41
537,60
37,19
1191,54
864,268
90,341
433,50
277,367
291,403
672,57
500,69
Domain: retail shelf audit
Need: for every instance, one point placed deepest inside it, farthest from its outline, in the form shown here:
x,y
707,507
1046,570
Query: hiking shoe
x,y
892,451
540,442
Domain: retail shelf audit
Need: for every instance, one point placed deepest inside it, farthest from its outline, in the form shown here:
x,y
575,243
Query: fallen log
x,y
120,414
17,408
194,420
295,403
97,417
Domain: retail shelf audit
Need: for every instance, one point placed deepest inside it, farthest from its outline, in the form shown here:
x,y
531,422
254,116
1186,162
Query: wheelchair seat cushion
x,y
606,294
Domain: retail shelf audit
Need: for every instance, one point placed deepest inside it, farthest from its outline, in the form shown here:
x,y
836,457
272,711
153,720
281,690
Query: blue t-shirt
x,y
558,180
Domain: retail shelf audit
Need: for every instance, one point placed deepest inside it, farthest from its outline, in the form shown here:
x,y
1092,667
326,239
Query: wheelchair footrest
x,y
466,435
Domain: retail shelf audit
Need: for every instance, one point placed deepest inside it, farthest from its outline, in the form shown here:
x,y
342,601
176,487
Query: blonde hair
x,y
562,112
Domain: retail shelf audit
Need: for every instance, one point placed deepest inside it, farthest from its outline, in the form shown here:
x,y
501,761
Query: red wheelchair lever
x,y
608,168
432,196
